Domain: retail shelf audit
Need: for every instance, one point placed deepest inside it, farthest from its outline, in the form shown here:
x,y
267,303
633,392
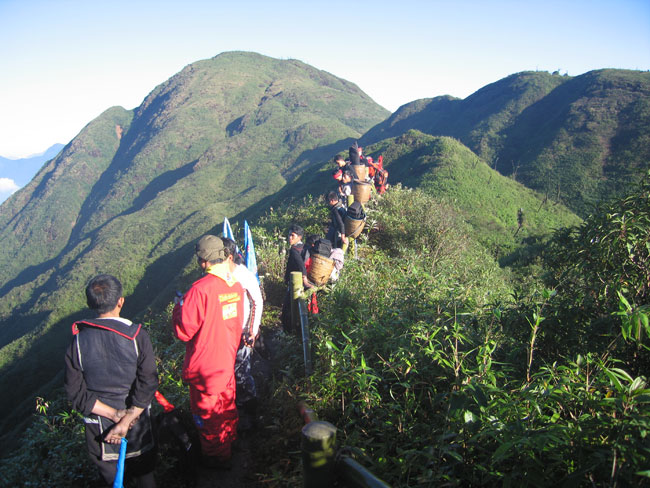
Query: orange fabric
x,y
313,304
216,419
210,323
164,403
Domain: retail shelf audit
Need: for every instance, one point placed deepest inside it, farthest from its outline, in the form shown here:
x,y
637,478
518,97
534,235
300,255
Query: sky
x,y
64,62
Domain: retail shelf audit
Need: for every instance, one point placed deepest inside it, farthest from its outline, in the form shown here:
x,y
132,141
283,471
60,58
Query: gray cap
x,y
210,248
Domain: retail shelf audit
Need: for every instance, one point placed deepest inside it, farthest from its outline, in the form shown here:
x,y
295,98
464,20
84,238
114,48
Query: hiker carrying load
x,y
336,230
378,174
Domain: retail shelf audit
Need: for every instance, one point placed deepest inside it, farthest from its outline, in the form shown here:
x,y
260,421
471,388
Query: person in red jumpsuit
x,y
208,318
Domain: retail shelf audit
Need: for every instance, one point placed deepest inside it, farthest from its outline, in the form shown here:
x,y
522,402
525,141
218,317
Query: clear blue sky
x,y
65,62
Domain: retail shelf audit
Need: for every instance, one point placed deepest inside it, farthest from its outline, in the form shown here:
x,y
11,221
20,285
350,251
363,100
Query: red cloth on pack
x,y
312,306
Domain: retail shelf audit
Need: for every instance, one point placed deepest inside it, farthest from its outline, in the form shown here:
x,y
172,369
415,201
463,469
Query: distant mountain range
x,y
20,171
236,134
574,139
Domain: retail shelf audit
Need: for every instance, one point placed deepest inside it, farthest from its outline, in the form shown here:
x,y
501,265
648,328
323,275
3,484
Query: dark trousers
x,y
246,390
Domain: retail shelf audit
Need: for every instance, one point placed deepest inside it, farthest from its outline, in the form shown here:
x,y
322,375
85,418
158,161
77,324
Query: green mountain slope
x,y
576,140
210,142
489,201
479,120
36,222
453,174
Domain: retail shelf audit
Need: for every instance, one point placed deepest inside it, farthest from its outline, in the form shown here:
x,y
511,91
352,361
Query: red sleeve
x,y
188,318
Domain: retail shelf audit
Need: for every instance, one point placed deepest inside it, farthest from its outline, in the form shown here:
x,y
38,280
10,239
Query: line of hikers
x,y
110,369
319,259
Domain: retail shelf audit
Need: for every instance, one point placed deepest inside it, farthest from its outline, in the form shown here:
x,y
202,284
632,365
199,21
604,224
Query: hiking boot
x,y
214,462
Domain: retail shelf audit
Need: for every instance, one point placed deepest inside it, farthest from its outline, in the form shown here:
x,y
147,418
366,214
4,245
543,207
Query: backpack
x,y
322,246
355,211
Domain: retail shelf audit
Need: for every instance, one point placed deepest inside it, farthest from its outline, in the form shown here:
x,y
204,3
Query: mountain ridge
x,y
232,136
137,185
576,129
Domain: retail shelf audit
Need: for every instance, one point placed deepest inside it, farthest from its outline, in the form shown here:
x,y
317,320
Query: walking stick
x,y
118,482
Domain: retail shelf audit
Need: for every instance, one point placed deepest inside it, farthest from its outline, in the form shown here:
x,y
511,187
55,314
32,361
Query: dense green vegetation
x,y
486,334
437,365
437,368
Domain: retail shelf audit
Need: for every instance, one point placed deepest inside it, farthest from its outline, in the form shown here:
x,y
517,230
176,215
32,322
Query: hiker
x,y
295,262
345,188
209,319
111,379
307,249
354,153
378,174
336,230
337,255
246,398
341,167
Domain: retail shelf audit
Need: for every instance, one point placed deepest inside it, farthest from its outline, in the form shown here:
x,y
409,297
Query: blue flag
x,y
250,260
118,482
227,231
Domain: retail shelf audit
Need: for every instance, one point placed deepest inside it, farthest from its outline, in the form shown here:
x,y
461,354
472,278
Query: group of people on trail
x,y
345,174
110,368
335,243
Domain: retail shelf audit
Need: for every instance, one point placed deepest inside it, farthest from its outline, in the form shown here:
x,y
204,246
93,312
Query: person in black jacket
x,y
336,230
111,379
295,262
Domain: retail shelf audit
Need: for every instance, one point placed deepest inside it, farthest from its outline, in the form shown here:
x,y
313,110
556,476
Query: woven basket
x,y
361,191
353,227
360,171
320,269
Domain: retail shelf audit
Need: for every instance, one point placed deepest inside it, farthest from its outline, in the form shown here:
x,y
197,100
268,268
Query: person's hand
x,y
118,415
250,342
117,431
121,428
344,239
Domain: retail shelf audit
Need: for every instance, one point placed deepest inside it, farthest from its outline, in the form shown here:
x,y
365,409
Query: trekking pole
x,y
304,328
118,482
296,293
345,246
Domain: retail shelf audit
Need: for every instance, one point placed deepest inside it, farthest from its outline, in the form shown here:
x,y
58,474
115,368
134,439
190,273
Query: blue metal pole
x,y
118,482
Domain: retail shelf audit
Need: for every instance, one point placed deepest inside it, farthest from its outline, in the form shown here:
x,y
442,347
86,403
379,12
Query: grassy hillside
x,y
480,120
37,221
490,202
432,369
585,141
577,140
213,140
